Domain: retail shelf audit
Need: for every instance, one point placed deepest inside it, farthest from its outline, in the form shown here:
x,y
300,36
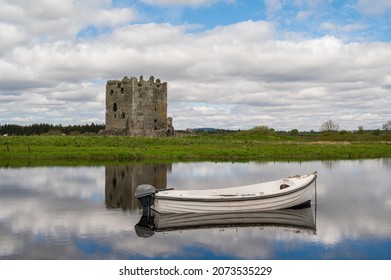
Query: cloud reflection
x,y
67,213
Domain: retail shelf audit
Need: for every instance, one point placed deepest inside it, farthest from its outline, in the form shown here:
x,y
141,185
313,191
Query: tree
x,y
387,126
294,132
262,130
329,126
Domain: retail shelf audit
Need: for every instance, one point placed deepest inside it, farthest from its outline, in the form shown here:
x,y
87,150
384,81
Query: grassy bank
x,y
18,150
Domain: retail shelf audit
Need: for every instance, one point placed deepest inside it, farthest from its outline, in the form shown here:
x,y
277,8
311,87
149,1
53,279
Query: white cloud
x,y
10,36
303,15
113,17
371,7
344,28
192,3
243,73
273,6
64,19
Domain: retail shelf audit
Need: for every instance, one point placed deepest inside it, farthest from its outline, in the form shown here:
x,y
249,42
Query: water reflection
x,y
91,213
298,219
122,181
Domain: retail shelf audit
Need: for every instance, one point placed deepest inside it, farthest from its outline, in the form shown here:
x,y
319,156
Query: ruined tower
x,y
137,108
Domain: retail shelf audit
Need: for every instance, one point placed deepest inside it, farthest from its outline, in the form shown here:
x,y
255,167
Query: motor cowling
x,y
144,190
144,194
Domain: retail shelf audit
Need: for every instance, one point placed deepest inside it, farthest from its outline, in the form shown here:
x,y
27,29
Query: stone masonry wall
x,y
137,108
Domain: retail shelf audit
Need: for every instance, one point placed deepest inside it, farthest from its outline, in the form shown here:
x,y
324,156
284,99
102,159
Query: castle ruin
x,y
137,108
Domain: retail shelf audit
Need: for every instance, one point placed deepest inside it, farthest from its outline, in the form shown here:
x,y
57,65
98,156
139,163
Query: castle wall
x,y
137,107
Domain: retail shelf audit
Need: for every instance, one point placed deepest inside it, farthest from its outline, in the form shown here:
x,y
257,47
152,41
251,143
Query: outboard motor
x,y
144,227
144,194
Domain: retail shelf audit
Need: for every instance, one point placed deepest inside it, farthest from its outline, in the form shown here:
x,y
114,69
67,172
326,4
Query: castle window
x,y
155,127
123,115
139,84
111,92
155,120
122,90
115,107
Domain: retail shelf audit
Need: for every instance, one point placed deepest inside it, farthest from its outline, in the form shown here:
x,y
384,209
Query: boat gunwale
x,y
237,198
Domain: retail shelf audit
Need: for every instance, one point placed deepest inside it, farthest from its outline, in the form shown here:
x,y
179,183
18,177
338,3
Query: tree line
x,y
43,128
50,129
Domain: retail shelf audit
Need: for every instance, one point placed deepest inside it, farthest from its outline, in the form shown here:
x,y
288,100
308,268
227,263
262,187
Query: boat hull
x,y
299,193
259,204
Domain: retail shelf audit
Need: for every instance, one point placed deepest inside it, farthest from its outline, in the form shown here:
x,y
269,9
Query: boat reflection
x,y
300,219
121,182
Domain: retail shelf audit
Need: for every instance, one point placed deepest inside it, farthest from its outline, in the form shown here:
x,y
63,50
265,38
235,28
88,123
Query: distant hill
x,y
212,130
206,129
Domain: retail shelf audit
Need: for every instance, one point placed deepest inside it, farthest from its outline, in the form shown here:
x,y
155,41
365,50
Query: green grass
x,y
87,150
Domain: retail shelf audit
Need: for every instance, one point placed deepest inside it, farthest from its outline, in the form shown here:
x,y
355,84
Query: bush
x,y
294,132
262,130
376,132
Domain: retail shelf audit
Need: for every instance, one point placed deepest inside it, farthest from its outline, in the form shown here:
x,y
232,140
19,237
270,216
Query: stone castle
x,y
137,108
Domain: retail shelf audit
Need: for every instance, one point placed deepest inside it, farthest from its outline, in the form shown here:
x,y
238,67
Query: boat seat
x,y
284,186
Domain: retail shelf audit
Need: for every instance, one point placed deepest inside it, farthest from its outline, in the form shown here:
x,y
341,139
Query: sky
x,y
229,64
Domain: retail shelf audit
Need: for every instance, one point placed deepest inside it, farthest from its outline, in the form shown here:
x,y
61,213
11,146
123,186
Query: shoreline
x,y
90,150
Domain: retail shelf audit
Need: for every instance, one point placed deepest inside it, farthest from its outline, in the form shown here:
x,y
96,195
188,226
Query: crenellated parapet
x,y
133,81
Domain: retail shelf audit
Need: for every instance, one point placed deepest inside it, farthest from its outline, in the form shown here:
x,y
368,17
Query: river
x,y
91,213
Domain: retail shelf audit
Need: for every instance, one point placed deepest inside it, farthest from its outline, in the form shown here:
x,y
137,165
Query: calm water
x,y
91,213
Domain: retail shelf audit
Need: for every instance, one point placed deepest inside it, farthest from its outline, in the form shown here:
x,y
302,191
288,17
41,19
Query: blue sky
x,y
229,63
308,17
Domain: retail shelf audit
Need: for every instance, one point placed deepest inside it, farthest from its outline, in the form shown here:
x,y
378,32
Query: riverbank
x,y
102,149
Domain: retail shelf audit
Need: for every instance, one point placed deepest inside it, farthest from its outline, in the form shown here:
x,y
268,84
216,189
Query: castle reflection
x,y
122,181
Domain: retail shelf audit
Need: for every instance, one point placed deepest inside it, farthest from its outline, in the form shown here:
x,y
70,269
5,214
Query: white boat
x,y
279,194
